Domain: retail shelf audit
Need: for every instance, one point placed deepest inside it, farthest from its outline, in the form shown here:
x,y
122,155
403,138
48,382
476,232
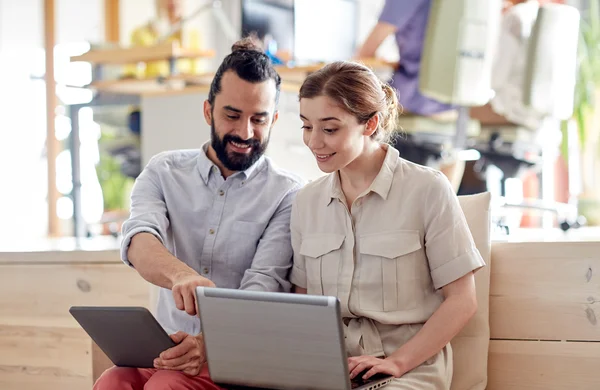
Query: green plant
x,y
115,186
588,77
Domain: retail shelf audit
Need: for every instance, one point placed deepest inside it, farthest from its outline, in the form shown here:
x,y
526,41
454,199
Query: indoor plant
x,y
586,114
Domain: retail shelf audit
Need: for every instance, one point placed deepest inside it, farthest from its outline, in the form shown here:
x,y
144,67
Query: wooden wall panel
x,y
547,291
543,365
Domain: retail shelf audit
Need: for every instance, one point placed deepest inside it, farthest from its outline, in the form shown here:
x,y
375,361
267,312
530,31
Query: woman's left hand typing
x,y
372,365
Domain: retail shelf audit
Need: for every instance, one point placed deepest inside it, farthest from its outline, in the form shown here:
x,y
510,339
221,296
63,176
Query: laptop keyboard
x,y
358,381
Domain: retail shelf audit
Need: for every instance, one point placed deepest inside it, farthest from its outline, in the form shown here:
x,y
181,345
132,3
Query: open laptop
x,y
276,341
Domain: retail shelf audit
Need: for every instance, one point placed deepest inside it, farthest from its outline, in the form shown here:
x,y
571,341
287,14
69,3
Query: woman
x,y
385,236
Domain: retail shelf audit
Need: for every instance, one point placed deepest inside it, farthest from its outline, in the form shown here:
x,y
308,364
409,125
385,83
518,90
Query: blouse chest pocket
x,y
388,279
322,254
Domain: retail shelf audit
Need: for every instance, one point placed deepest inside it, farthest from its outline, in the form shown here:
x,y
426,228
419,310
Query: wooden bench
x,y
544,312
41,346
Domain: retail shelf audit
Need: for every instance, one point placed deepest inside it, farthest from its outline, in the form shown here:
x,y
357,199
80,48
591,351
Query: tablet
x,y
129,336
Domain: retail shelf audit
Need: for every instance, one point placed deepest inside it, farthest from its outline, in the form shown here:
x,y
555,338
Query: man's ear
x,y
208,112
371,126
275,117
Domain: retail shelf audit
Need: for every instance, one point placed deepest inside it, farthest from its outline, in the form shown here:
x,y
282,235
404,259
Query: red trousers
x,y
122,378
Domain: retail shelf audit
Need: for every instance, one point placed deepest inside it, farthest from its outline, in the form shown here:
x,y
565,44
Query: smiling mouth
x,y
241,148
324,157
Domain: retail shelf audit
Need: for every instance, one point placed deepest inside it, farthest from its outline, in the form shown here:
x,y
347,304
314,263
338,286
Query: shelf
x,y
122,55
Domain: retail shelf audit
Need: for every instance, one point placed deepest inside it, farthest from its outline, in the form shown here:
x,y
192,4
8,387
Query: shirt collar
x,y
381,184
206,167
384,179
335,188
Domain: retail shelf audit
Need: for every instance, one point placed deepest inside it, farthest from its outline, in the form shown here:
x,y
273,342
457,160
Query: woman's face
x,y
332,134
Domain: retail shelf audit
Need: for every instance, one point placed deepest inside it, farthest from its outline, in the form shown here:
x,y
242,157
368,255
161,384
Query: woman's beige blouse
x,y
386,258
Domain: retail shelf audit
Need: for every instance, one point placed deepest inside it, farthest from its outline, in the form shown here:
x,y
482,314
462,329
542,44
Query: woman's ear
x,y
372,125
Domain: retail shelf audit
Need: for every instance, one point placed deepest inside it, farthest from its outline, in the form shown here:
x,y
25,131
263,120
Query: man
x,y
218,216
407,20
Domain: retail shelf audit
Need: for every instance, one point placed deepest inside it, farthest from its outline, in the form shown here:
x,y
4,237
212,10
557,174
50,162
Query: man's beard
x,y
236,161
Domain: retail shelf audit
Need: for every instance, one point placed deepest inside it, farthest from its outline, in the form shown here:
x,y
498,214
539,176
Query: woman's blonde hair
x,y
357,90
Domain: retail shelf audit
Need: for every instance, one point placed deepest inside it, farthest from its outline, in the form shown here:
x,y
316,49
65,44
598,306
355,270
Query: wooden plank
x,y
122,55
374,63
543,365
545,291
46,358
61,257
180,78
37,295
111,20
100,362
52,144
61,250
172,86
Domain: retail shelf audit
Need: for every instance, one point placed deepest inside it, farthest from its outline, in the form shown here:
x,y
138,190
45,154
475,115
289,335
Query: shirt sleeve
x,y
399,12
148,209
298,274
273,259
449,245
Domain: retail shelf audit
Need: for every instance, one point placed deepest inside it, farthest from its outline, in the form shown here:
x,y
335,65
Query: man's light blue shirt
x,y
234,231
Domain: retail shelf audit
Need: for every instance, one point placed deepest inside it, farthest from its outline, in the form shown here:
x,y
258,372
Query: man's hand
x,y
373,365
187,356
184,291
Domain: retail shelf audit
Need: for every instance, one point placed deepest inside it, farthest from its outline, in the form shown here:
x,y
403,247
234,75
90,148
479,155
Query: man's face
x,y
241,120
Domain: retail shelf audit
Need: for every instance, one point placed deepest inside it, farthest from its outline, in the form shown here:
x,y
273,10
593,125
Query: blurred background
x,y
73,142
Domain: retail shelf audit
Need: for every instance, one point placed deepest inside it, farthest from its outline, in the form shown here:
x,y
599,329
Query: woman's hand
x,y
373,365
187,356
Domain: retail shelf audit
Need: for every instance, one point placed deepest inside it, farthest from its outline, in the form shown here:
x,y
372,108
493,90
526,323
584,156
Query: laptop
x,y
276,341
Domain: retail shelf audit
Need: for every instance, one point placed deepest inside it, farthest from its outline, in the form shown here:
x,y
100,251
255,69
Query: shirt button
x,y
205,270
212,231
221,192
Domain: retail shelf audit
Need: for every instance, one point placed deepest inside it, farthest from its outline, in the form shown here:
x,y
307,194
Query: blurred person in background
x,y
168,14
507,108
407,20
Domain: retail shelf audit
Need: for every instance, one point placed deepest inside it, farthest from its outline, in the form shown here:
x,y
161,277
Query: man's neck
x,y
212,156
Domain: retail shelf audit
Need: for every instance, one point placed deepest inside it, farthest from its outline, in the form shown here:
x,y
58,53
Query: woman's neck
x,y
357,176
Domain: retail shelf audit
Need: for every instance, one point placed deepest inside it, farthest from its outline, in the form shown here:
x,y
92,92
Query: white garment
x,y
508,72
